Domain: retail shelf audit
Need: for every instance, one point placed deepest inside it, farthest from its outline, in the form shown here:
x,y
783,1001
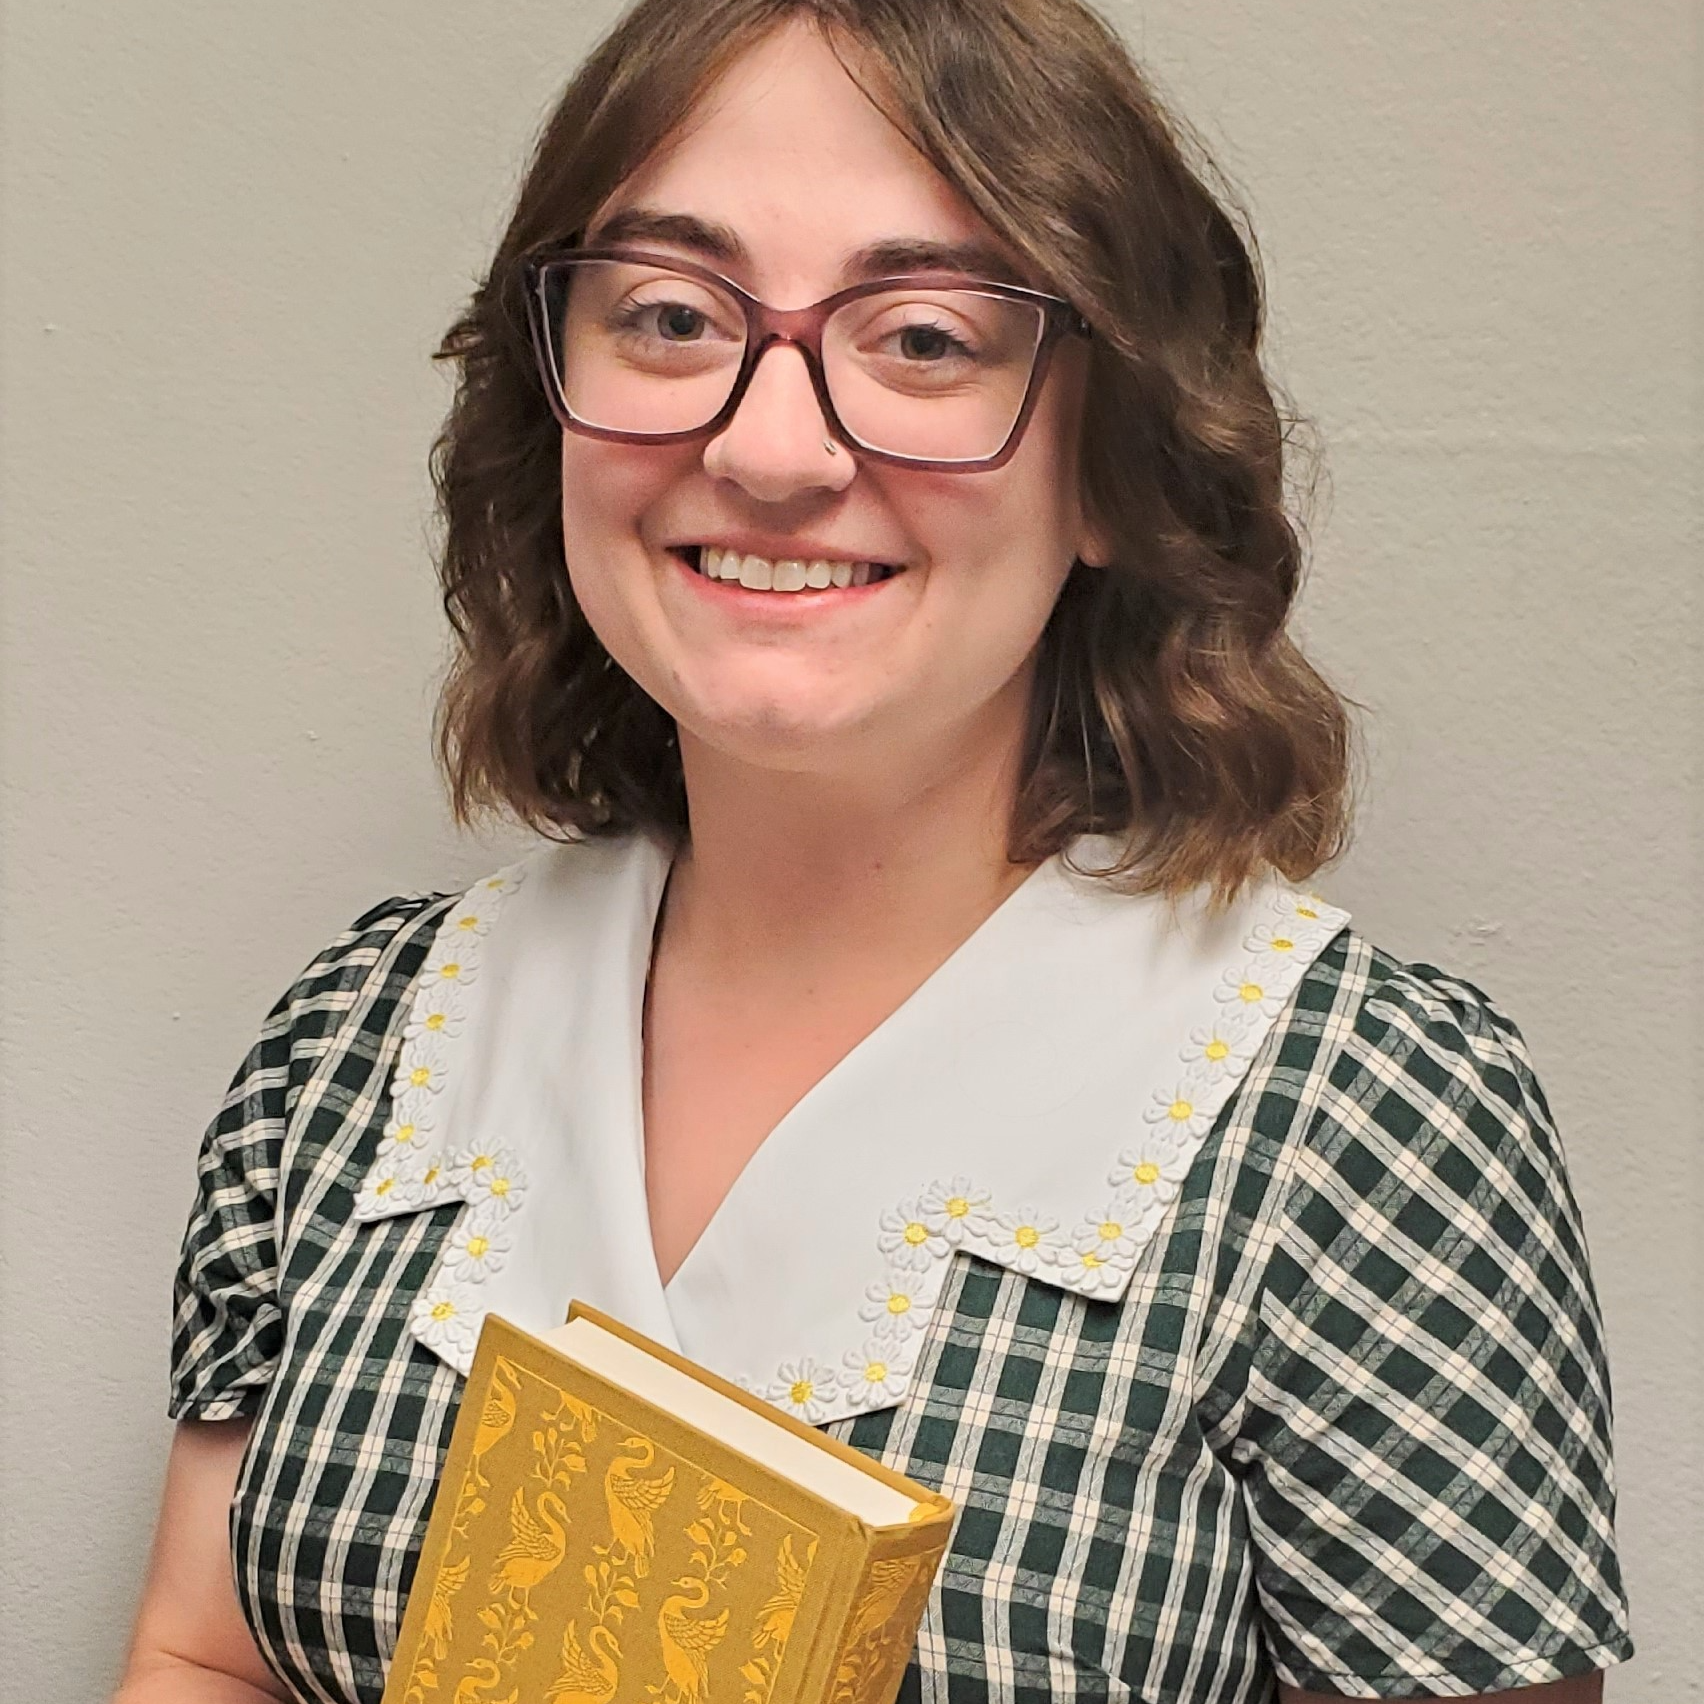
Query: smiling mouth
x,y
787,574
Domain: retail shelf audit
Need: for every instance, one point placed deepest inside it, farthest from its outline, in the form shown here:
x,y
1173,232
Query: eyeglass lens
x,y
934,374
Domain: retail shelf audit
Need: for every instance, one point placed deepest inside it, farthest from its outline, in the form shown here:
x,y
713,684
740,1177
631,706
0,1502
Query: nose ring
x,y
830,445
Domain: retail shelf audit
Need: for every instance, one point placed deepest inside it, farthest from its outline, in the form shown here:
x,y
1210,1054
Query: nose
x,y
777,445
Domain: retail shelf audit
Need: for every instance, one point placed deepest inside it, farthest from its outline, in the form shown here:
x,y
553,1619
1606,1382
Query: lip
x,y
774,549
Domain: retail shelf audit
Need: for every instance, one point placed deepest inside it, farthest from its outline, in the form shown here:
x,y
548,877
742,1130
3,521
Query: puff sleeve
x,y
1426,1449
227,1317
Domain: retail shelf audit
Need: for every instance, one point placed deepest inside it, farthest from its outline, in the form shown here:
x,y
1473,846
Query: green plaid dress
x,y
1348,1427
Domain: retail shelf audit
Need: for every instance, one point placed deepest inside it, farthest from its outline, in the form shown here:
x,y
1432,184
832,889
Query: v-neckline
x,y
799,1109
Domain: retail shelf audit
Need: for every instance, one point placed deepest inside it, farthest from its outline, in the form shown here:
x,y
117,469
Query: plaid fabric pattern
x,y
1349,1428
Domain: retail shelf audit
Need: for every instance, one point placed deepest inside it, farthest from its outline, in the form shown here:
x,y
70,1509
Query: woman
x,y
862,460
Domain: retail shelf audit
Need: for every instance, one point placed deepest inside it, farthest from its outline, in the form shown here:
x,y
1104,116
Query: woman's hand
x,y
191,1644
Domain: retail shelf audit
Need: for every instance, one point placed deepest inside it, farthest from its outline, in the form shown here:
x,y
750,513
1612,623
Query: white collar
x,y
1036,1102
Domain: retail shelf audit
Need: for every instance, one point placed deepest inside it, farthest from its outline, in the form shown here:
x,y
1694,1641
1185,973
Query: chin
x,y
776,734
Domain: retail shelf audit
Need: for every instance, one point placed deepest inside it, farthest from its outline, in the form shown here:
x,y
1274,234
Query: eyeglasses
x,y
929,370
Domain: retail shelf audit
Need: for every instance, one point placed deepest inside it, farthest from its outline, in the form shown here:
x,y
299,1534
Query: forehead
x,y
787,176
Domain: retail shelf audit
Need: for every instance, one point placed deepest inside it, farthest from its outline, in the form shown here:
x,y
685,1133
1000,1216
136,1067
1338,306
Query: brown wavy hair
x,y
1171,709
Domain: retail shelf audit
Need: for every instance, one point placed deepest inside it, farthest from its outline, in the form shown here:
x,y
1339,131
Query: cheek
x,y
1017,528
608,490
605,492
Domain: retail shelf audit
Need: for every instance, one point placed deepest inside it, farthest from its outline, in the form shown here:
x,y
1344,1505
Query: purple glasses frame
x,y
803,329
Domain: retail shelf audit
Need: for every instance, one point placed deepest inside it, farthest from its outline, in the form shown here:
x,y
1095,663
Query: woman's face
x,y
790,158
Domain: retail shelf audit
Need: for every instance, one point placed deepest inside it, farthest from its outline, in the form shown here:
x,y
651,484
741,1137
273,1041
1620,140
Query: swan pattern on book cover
x,y
682,1589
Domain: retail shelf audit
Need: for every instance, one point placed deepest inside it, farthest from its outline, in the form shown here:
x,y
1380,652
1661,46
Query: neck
x,y
795,874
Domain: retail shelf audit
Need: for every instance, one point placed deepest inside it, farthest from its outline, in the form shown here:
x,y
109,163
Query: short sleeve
x,y
227,1320
1426,1446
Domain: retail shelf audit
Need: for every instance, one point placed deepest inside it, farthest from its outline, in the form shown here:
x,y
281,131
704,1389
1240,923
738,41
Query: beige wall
x,y
231,233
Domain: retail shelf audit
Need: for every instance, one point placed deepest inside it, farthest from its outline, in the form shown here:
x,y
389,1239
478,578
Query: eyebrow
x,y
891,256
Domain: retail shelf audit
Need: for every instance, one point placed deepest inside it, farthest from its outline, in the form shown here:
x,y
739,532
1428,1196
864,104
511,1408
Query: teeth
x,y
790,574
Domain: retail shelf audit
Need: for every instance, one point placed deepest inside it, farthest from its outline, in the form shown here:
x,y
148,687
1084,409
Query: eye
x,y
930,343
673,322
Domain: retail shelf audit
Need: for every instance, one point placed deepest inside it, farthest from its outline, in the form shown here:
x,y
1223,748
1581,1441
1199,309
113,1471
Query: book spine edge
x,y
923,1539
813,1680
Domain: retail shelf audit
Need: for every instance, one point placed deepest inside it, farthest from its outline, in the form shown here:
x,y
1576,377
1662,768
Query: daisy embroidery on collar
x,y
1180,1111
440,1011
1254,995
897,1306
478,1247
954,1209
907,1240
1216,1048
412,1167
1089,1270
1026,1241
871,1378
443,1319
804,1388
1111,1241
1152,1168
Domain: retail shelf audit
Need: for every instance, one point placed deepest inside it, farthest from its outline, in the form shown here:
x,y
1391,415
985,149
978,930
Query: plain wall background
x,y
231,235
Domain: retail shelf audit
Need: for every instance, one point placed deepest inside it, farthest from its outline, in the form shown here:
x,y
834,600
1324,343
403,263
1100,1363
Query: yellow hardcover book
x,y
616,1525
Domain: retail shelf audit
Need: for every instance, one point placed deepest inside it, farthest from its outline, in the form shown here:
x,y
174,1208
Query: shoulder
x,y
1424,1057
372,943
1388,1094
372,960
346,998
1397,1102
1419,1138
1407,1044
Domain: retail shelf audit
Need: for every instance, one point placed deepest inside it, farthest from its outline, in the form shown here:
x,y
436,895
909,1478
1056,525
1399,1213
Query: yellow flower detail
x,y
1180,1111
800,1391
444,1310
476,1247
385,1186
431,1175
1111,1230
437,1021
1092,1260
957,1207
450,971
467,922
1250,992
405,1133
479,1162
1217,1049
499,1186
1026,1236
876,1372
916,1232
1306,911
1283,944
1147,1173
899,1303
420,1076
